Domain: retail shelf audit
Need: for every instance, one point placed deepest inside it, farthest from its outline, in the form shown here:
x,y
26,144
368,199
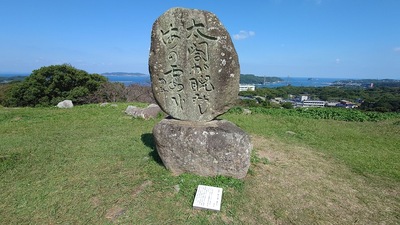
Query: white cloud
x,y
243,34
337,61
397,49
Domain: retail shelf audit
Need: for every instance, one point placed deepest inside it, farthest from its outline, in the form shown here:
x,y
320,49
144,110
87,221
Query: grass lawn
x,y
95,165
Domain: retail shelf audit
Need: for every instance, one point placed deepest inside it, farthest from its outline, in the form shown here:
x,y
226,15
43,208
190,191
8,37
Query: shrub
x,y
49,85
287,105
108,92
118,92
4,91
139,93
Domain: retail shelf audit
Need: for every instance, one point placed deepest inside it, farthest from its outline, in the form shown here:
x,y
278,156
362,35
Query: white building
x,y
312,103
247,87
303,98
332,104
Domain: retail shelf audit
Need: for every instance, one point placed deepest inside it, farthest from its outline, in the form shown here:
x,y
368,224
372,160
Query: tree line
x,y
381,99
49,85
253,79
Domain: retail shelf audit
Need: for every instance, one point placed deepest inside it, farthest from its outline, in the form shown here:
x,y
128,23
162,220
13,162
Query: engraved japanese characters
x,y
194,71
193,65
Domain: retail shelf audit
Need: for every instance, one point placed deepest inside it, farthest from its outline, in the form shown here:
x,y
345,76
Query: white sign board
x,y
208,197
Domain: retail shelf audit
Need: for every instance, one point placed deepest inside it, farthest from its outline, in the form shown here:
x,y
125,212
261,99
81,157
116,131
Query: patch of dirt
x,y
95,202
302,186
139,189
115,212
15,119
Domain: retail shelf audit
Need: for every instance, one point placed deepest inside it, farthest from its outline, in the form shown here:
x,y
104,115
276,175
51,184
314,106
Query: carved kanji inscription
x,y
189,80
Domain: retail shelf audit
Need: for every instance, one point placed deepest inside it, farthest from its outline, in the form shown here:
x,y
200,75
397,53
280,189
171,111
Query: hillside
x,y
8,79
69,166
368,82
253,79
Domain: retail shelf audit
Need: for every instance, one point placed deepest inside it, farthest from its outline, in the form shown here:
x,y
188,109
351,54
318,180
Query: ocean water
x,y
294,81
128,80
302,82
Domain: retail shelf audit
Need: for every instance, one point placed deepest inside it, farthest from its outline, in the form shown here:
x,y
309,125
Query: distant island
x,y
368,83
10,79
253,79
123,74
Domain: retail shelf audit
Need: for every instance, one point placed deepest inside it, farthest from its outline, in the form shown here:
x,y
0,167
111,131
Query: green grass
x,y
369,148
55,163
95,165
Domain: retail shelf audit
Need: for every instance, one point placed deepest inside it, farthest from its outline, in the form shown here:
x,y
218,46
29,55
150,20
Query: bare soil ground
x,y
298,185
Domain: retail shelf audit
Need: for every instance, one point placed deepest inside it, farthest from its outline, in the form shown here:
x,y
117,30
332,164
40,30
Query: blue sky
x,y
306,38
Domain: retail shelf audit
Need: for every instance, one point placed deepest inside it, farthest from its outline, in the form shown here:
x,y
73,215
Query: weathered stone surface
x,y
146,113
66,104
193,65
210,148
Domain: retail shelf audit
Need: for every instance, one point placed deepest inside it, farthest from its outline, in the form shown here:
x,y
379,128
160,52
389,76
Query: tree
x,y
4,90
287,105
52,84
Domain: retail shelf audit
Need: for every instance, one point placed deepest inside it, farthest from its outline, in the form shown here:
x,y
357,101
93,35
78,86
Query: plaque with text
x,y
208,197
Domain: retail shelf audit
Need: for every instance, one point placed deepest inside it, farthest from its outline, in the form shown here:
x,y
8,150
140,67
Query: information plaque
x,y
208,197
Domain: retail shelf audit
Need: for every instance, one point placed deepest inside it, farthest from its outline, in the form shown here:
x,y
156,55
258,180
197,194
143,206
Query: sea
x,y
293,81
130,79
302,82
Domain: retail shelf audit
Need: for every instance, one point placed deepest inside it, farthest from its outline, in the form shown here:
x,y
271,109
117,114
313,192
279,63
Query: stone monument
x,y
194,70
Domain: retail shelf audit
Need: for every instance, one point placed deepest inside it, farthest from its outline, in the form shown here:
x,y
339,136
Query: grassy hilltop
x,y
95,165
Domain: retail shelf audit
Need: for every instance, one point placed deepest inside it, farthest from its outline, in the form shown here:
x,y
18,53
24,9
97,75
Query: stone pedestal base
x,y
211,148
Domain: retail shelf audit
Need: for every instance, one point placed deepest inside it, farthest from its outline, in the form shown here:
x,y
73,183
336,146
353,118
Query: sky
x,y
297,38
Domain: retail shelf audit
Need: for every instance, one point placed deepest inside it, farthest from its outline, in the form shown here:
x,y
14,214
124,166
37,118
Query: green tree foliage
x,y
52,84
287,105
4,89
380,99
386,100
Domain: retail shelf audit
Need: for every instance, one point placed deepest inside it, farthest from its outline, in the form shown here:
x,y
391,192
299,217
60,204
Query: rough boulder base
x,y
210,148
151,111
193,65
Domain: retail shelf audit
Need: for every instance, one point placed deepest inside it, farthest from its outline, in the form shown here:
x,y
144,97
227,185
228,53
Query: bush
x,y
108,92
49,85
117,92
287,105
139,93
4,91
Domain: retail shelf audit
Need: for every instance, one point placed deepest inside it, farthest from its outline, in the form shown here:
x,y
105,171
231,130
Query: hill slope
x,y
253,79
97,165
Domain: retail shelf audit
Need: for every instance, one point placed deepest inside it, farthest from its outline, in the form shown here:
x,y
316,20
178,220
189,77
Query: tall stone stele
x,y
195,73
